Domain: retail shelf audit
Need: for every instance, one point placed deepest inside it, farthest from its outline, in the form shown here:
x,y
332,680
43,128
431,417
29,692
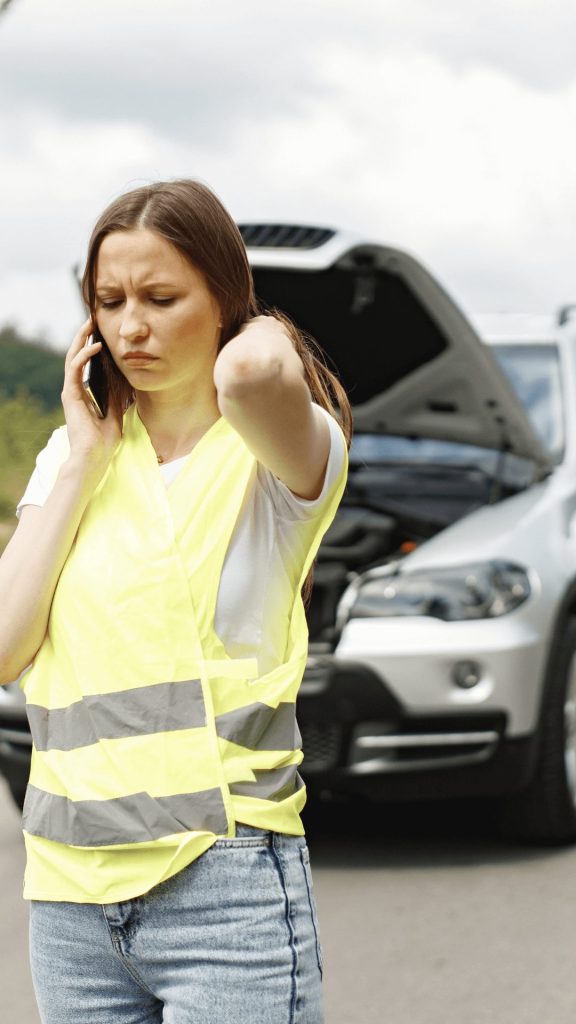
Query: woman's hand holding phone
x,y
33,560
91,438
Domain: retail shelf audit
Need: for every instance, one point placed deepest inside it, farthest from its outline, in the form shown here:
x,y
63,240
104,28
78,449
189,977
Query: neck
x,y
176,423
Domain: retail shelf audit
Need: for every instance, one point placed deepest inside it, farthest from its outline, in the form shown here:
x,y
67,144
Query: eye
x,y
111,304
161,302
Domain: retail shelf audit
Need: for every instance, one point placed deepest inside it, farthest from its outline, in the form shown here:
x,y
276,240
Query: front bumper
x,y
15,743
415,658
358,738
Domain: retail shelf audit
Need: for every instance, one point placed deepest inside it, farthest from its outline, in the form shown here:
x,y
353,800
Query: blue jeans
x,y
231,939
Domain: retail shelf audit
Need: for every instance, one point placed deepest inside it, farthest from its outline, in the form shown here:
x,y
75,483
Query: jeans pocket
x,y
305,858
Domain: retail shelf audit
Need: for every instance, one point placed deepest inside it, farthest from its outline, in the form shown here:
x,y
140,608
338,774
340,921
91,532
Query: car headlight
x,y
482,590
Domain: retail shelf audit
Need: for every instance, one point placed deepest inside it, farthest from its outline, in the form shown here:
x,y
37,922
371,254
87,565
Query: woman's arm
x,y
33,559
263,393
31,564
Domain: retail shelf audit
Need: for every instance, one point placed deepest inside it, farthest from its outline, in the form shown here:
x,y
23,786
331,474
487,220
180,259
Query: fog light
x,y
466,674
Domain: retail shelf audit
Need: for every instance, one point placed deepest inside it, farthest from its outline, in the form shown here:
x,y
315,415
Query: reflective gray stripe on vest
x,y
163,707
271,783
260,727
137,818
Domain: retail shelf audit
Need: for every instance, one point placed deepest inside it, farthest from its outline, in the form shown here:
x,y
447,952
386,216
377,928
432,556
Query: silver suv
x,y
443,619
443,616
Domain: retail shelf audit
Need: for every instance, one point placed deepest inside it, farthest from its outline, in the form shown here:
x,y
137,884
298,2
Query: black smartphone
x,y
94,379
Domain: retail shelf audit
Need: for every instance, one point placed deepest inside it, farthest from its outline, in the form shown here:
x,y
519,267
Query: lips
x,y
138,357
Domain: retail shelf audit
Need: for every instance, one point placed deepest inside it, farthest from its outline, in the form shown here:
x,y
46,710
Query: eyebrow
x,y
146,284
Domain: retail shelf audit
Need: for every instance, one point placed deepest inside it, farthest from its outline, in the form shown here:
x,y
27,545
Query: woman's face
x,y
155,312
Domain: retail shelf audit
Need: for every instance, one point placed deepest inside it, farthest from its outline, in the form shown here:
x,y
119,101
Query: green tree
x,y
25,427
30,366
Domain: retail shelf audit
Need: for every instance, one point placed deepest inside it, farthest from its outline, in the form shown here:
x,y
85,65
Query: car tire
x,y
545,812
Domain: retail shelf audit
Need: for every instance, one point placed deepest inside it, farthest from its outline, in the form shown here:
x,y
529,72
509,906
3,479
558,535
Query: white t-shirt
x,y
268,546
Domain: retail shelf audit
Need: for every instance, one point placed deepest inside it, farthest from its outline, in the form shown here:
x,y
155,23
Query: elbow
x,y
11,668
6,674
5,669
239,377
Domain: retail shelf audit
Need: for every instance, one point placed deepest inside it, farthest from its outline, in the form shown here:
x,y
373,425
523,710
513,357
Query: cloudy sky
x,y
445,128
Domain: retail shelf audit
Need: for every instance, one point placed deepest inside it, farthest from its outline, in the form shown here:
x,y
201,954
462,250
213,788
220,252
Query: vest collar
x,y
136,432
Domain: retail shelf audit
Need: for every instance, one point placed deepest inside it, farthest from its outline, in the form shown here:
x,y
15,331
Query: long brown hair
x,y
190,216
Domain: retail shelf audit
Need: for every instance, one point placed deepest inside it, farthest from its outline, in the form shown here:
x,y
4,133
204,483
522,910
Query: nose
x,y
133,325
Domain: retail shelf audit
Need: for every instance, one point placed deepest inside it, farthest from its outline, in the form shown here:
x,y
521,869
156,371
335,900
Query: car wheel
x,y
546,811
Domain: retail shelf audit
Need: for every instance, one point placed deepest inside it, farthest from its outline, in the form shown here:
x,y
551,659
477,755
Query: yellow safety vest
x,y
149,741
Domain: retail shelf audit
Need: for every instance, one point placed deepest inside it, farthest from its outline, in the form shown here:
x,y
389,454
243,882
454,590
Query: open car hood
x,y
411,363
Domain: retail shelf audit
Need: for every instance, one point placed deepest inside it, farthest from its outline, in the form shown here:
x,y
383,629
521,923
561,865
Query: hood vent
x,y
284,236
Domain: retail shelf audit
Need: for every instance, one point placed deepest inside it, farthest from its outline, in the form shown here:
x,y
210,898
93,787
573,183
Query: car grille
x,y
284,236
321,742
373,749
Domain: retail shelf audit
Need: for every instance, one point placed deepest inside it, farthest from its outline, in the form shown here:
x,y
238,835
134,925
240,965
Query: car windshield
x,y
534,373
533,370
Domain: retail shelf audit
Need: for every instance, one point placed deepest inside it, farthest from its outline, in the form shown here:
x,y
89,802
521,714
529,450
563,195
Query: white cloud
x,y
443,128
44,305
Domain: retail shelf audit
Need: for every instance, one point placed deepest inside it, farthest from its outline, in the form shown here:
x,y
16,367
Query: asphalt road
x,y
17,1004
425,919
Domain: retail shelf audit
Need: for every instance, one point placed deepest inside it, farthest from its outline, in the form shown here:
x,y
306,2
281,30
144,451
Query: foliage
x,y
25,427
30,366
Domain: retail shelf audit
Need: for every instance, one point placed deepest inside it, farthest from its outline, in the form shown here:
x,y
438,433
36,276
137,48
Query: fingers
x,y
80,340
82,348
80,352
262,320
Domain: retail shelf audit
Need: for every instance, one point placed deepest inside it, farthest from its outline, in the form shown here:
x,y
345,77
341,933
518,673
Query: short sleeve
x,y
286,504
48,463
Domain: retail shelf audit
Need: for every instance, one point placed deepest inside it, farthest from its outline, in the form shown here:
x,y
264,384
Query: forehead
x,y
134,256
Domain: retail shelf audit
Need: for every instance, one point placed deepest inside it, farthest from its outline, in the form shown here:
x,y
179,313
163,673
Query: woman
x,y
154,586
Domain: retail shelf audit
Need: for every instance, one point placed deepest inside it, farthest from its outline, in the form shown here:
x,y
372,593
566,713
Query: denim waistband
x,y
250,830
